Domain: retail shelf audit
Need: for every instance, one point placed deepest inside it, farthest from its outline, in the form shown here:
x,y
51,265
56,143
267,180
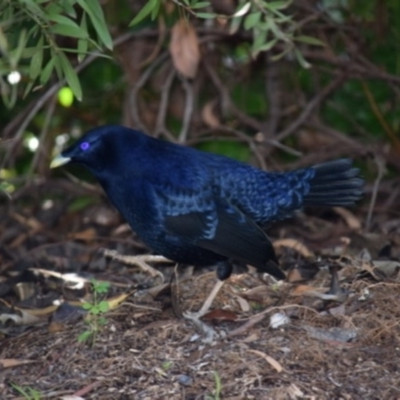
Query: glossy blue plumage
x,y
199,208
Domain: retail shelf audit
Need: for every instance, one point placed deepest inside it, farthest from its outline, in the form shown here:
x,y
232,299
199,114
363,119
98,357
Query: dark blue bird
x,y
204,209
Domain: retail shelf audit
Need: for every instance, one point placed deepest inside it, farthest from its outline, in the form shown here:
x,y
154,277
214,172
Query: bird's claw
x,y
140,261
209,334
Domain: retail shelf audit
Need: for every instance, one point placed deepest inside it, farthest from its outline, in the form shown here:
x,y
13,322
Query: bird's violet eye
x,y
85,146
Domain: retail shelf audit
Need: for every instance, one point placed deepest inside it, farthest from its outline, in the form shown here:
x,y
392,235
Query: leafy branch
x,y
29,42
266,20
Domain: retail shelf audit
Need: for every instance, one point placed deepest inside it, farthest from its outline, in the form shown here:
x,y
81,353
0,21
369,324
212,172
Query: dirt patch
x,y
344,347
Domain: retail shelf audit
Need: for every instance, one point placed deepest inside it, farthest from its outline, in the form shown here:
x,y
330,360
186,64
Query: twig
x,y
162,111
378,114
380,163
136,88
247,120
43,136
311,106
188,112
273,92
351,66
160,40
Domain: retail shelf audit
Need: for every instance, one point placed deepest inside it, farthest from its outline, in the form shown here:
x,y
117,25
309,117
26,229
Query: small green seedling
x,y
27,392
95,310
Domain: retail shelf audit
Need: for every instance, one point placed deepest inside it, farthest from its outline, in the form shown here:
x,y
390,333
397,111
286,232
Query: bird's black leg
x,y
335,291
224,271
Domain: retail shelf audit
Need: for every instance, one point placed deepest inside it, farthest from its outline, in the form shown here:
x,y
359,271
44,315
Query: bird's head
x,y
99,149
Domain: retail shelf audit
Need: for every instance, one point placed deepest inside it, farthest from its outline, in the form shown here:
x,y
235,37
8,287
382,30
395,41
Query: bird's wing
x,y
227,231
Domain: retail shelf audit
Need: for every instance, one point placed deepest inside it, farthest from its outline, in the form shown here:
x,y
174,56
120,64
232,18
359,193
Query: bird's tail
x,y
335,183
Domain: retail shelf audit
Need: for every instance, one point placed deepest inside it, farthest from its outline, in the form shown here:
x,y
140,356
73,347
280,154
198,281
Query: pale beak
x,y
59,160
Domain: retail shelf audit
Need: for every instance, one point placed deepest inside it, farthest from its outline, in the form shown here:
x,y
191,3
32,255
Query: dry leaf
x,y
116,301
293,244
14,362
271,361
221,315
208,116
350,219
184,48
244,304
85,235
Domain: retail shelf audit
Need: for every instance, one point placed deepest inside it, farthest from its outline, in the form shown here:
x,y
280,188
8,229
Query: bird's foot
x,y
209,334
141,261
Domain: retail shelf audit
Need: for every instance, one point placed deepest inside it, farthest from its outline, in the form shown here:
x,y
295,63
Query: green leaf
x,y
310,40
144,12
155,11
83,44
96,15
104,306
95,310
87,306
48,69
235,25
259,41
67,5
205,15
100,287
58,66
16,55
61,19
28,89
269,45
300,58
276,30
96,9
252,20
200,4
277,5
34,8
37,60
68,30
3,41
53,9
84,336
277,57
71,76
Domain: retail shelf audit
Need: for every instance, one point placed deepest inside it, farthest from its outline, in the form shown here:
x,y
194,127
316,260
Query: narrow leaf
x,y
242,10
277,5
144,12
28,89
83,44
300,58
155,11
252,20
201,4
48,69
20,48
37,60
98,23
269,45
309,40
206,15
68,30
61,19
34,8
71,76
